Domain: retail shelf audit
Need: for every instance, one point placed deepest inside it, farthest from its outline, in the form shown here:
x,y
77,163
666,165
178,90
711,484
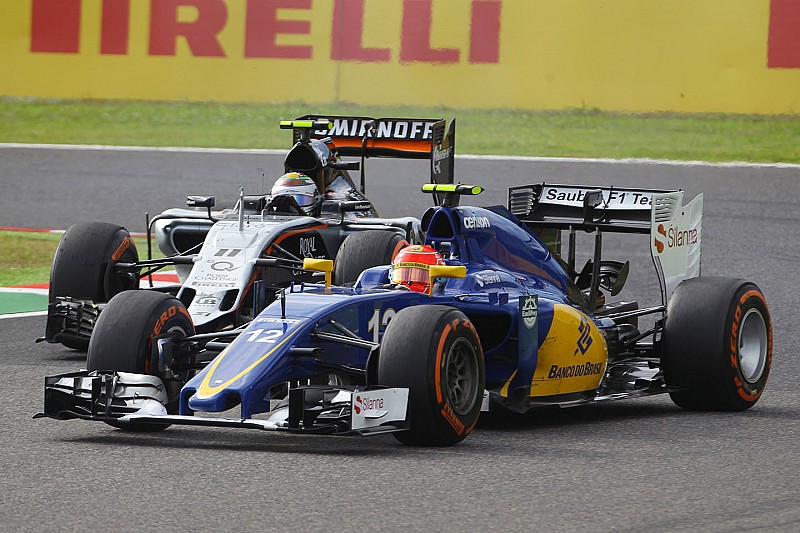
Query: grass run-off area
x,y
26,257
570,133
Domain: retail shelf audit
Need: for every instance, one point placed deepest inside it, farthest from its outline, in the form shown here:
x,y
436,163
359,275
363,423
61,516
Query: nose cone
x,y
243,371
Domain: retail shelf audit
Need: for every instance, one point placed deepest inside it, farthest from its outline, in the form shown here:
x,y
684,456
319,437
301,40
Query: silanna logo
x,y
363,404
673,237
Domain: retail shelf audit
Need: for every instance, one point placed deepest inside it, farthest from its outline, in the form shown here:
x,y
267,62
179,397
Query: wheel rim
x,y
462,376
752,345
185,374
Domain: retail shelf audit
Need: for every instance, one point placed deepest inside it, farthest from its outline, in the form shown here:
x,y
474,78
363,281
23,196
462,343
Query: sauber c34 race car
x,y
502,322
230,262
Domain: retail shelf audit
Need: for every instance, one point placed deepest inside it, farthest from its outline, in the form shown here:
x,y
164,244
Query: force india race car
x,y
230,263
507,323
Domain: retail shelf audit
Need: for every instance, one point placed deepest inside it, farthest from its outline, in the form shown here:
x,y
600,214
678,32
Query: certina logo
x,y
574,371
476,222
673,237
367,404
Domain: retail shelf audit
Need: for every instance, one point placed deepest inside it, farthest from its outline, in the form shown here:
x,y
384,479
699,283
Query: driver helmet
x,y
411,267
301,188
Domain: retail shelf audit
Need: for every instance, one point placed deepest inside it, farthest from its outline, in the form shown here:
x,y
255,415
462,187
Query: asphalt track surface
x,y
639,465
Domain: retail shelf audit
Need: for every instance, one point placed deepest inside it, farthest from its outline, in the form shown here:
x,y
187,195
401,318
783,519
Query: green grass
x,y
26,257
573,133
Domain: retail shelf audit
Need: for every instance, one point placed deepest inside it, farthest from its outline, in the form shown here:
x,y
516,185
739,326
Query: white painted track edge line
x,y
23,315
257,151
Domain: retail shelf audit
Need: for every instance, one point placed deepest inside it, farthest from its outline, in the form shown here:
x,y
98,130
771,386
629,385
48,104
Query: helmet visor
x,y
304,200
405,272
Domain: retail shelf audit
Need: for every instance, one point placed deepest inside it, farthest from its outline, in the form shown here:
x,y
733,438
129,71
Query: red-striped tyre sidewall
x,y
702,344
420,350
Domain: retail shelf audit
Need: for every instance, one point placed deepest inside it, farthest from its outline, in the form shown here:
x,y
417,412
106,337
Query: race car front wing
x,y
70,319
128,400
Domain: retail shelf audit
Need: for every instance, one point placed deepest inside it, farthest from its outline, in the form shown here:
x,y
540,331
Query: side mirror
x,y
201,201
345,165
592,210
446,271
614,279
319,265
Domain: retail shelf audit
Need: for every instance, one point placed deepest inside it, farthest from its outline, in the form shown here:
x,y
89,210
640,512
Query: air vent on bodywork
x,y
187,296
440,227
302,158
520,200
228,300
666,205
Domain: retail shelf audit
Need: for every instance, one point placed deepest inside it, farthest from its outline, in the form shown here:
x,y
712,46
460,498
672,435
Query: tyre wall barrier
x,y
738,56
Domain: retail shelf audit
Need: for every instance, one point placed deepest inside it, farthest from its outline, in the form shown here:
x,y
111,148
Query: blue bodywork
x,y
504,261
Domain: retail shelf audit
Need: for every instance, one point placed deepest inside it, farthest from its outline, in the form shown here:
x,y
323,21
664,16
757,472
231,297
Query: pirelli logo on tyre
x,y
452,419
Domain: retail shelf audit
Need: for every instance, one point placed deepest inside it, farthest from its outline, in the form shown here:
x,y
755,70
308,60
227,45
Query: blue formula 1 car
x,y
503,322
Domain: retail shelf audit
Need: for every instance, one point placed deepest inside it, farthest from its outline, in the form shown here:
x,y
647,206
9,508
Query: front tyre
x,y
435,352
123,336
717,344
365,249
83,267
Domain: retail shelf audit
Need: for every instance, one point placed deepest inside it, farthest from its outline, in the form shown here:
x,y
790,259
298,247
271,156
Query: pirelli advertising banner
x,y
739,56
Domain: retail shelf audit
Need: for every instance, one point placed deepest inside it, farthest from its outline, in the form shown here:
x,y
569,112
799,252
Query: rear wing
x,y
675,229
623,210
407,138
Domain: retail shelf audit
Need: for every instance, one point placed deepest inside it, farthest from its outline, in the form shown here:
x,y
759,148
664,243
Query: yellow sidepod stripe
x,y
572,358
504,389
206,390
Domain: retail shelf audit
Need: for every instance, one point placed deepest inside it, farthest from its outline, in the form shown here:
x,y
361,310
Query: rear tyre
x,y
363,250
435,352
81,266
717,344
122,341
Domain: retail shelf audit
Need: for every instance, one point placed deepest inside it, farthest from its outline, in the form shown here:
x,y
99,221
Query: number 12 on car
x,y
378,321
269,335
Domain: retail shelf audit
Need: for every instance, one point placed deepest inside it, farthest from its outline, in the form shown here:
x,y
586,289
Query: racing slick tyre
x,y
435,352
122,341
365,249
717,344
81,267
